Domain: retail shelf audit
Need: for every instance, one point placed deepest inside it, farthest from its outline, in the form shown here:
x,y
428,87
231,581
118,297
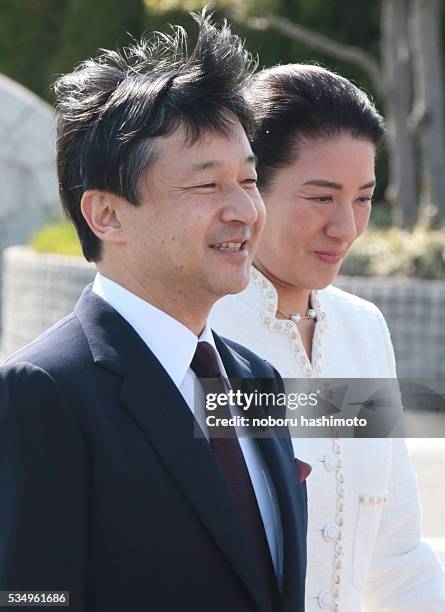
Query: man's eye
x,y
249,182
204,186
366,199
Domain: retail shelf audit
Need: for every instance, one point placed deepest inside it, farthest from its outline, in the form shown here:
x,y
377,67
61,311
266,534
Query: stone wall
x,y
415,313
38,290
29,195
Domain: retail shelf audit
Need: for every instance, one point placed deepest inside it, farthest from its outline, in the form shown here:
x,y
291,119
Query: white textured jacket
x,y
365,550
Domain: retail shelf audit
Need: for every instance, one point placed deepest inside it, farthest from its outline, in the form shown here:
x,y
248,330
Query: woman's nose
x,y
342,225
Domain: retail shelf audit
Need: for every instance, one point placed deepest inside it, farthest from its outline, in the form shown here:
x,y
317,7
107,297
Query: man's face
x,y
200,217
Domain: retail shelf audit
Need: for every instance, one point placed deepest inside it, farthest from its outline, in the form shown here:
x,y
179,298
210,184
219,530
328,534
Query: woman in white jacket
x,y
316,140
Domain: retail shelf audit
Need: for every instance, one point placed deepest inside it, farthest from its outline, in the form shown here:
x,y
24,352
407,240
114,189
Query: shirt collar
x,y
268,304
172,343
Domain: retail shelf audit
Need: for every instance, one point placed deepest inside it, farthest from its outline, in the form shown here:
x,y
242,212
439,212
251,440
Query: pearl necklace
x,y
296,317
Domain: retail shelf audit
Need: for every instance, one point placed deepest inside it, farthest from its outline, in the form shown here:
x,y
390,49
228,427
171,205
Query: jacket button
x,y
330,462
325,599
330,532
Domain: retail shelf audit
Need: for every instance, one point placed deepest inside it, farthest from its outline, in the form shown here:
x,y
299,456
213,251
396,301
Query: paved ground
x,y
428,457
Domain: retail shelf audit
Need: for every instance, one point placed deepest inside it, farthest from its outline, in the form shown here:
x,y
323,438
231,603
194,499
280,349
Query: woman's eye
x,y
322,199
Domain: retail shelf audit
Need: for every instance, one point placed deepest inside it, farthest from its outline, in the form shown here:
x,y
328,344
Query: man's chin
x,y
235,284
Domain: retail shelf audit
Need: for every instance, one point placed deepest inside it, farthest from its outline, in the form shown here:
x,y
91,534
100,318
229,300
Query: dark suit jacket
x,y
106,493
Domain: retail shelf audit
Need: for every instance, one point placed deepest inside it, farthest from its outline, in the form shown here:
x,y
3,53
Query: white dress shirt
x,y
174,345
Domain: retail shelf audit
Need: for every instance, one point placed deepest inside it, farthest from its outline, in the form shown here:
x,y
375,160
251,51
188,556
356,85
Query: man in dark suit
x,y
105,490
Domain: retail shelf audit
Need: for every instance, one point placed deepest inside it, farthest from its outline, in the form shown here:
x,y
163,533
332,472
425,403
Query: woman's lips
x,y
329,257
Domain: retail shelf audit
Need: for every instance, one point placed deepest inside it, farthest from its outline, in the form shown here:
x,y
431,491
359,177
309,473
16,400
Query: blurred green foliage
x,y
394,252
59,237
40,39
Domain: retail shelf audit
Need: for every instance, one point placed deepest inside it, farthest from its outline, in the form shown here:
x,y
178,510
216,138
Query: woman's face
x,y
316,208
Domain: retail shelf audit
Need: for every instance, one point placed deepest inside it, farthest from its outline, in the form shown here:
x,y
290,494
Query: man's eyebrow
x,y
332,185
250,159
368,185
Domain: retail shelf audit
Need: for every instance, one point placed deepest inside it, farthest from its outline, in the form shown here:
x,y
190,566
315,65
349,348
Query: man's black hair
x,y
110,110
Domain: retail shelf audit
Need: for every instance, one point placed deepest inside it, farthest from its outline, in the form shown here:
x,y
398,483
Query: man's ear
x,y
100,210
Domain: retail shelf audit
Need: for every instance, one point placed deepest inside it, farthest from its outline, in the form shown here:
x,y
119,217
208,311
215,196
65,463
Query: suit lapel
x,y
169,424
293,518
290,495
154,402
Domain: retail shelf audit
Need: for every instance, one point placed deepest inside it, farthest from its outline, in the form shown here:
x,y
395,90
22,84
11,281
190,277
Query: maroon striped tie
x,y
230,456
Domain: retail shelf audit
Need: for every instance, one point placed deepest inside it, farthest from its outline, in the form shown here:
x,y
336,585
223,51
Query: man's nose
x,y
241,206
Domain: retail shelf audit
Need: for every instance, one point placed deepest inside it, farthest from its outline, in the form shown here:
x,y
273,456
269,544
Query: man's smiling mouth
x,y
231,247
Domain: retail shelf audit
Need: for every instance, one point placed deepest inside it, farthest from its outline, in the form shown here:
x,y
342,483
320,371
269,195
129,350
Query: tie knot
x,y
205,361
